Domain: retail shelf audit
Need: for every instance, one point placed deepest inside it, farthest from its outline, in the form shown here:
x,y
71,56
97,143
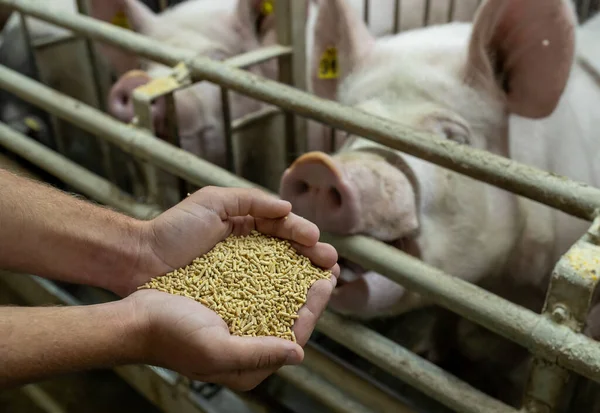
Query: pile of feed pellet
x,y
256,283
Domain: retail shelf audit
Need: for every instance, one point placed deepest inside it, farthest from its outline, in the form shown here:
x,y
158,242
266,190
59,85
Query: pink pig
x,y
508,84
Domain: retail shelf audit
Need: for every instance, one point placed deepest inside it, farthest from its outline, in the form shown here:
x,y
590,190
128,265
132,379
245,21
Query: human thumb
x,y
250,353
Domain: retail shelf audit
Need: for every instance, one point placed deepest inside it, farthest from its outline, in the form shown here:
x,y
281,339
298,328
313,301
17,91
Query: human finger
x,y
316,302
292,228
255,353
322,255
239,202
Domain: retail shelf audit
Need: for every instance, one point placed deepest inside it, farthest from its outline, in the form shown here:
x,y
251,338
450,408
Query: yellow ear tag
x,y
328,66
267,7
32,124
120,20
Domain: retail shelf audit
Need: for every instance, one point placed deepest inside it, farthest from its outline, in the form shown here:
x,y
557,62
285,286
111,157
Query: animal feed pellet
x,y
256,283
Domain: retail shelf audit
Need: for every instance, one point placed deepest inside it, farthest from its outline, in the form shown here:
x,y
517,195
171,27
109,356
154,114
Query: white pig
x,y
507,84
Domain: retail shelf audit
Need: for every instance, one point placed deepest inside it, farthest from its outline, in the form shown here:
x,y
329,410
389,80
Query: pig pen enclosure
x,y
58,128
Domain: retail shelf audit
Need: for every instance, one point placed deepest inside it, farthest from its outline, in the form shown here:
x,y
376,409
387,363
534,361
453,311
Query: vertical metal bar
x,y
60,143
98,90
173,138
226,107
143,119
333,141
397,11
367,11
568,302
291,31
427,12
451,8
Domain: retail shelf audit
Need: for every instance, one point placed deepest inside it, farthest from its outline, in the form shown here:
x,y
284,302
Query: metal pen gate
x,y
571,283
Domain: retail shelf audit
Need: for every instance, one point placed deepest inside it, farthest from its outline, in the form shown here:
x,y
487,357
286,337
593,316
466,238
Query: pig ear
x,y
523,49
128,14
341,39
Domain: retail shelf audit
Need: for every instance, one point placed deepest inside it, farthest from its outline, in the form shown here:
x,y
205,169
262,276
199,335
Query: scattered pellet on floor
x,y
256,283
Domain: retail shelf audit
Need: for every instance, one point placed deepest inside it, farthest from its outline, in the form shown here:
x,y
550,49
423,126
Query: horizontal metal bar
x,y
73,174
408,367
333,398
42,399
340,375
137,142
258,56
567,195
484,308
253,117
538,334
50,41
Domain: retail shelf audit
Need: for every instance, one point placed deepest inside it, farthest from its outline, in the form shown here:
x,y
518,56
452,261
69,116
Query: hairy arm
x,y
36,343
55,235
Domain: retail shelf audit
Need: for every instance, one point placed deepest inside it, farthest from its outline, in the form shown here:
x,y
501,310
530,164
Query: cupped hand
x,y
195,225
189,338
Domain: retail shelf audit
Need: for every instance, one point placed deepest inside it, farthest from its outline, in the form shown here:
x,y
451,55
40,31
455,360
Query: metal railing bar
x,y
569,196
350,379
253,117
333,398
73,174
397,11
98,91
408,367
499,315
50,41
538,334
258,56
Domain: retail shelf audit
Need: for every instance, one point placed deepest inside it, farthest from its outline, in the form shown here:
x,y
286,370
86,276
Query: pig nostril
x,y
124,99
336,196
302,187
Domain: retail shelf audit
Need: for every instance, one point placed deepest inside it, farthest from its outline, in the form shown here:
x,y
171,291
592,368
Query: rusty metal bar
x,y
73,174
568,301
499,315
567,195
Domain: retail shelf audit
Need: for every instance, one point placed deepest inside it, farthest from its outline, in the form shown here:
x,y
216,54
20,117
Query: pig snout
x,y
316,188
120,100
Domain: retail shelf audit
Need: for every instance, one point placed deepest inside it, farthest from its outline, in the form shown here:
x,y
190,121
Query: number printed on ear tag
x,y
328,66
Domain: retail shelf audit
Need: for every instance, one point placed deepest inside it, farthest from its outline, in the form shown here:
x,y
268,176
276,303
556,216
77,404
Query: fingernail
x,y
293,358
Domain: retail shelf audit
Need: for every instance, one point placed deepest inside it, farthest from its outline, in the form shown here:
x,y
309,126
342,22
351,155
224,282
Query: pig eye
x,y
455,132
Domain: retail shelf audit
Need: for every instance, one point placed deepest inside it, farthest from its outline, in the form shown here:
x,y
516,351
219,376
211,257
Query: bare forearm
x,y
54,235
39,342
